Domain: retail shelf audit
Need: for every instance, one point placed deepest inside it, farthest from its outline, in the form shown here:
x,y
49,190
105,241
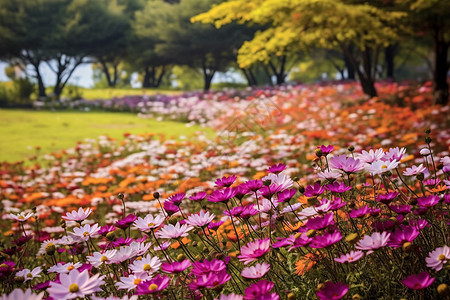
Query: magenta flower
x,y
401,236
335,187
254,185
283,242
332,291
104,230
248,211
198,196
326,240
326,149
126,222
170,208
177,198
222,195
386,198
360,212
346,164
374,241
286,195
176,267
337,203
350,257
418,281
206,267
394,154
401,209
260,290
235,211
152,286
428,201
314,190
253,250
320,222
277,168
438,258
225,181
215,225
211,280
256,271
201,219
301,241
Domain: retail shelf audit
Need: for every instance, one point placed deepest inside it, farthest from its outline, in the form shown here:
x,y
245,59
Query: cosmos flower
x,y
79,215
97,258
314,190
19,294
320,222
329,174
438,258
386,198
360,212
326,149
64,268
374,241
222,195
131,281
335,187
206,266
332,291
153,286
380,166
231,296
84,232
286,195
326,240
350,257
126,222
29,275
394,154
346,164
428,201
211,280
176,267
253,250
371,156
177,198
226,181
256,271
75,284
401,236
418,281
173,232
277,168
281,180
201,219
414,170
21,217
149,222
147,264
261,290
198,196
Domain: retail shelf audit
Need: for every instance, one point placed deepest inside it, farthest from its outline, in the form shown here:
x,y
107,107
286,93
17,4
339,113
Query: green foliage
x,y
18,93
187,78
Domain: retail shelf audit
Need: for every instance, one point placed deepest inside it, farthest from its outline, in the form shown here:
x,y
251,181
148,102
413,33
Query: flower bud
x,y
394,219
301,189
420,176
50,249
407,247
295,178
428,131
194,244
297,235
198,257
351,148
311,233
111,236
352,238
356,297
319,152
443,290
219,256
205,250
291,296
181,257
267,182
320,286
121,196
19,279
156,195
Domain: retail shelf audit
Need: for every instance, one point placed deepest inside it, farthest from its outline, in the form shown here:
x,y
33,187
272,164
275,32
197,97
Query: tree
x,y
358,30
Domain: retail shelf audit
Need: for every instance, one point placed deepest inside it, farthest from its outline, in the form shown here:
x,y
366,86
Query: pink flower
x,y
337,188
20,294
148,222
84,232
394,154
326,240
371,156
419,281
173,232
79,215
152,286
332,291
374,241
428,201
76,284
176,267
320,222
253,250
225,181
256,271
438,258
347,164
401,236
314,190
277,168
414,170
350,257
261,290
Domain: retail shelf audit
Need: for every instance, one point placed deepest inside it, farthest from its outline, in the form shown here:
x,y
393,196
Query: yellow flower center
x,y
73,288
150,224
86,233
104,258
20,217
137,281
70,268
441,257
350,258
139,258
147,267
152,287
384,167
29,275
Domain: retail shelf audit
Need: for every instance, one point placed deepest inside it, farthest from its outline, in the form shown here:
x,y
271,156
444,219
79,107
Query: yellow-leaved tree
x,y
360,31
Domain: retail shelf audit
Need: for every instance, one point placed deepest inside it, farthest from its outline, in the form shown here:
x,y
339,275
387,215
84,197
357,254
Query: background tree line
x,y
266,40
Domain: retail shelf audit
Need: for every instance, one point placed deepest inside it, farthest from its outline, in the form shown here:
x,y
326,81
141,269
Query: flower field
x,y
307,192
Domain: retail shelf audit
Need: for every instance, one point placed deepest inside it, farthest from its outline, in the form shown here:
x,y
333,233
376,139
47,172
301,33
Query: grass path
x,y
21,131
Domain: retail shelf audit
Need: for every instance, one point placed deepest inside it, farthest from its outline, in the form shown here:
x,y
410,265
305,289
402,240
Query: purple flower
x,y
225,181
300,241
126,222
314,190
170,208
401,209
332,291
418,281
210,280
254,185
277,168
235,211
347,164
350,257
286,195
326,149
177,198
6,268
337,188
320,222
206,267
42,285
215,225
360,212
248,211
283,242
326,240
337,203
386,198
401,236
253,250
428,201
198,196
222,195
104,230
22,240
260,290
152,286
176,267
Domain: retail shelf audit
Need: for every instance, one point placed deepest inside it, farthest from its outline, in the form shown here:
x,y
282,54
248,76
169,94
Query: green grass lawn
x,y
21,131
91,94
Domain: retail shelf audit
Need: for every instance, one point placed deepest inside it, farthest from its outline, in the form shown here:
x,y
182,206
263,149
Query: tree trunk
x,y
279,74
349,67
106,72
147,78
441,64
389,55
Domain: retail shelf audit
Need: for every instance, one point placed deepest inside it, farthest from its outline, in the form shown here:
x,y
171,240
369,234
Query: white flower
x,y
84,232
29,275
147,264
279,179
438,258
76,284
380,167
425,152
79,215
19,294
333,174
130,282
149,222
172,232
414,170
98,258
371,156
64,268
394,154
42,249
22,217
201,219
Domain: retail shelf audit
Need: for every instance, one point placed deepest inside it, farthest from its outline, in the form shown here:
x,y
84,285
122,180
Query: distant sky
x,y
83,76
